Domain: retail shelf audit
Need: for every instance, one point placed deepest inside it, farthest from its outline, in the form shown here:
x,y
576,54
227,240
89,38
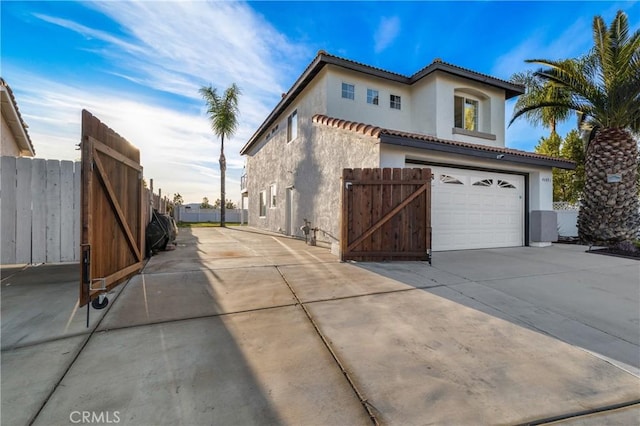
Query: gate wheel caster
x,y
100,302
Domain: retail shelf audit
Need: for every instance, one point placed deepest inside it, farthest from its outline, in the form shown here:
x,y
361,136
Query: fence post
x,y
53,211
39,212
23,210
66,211
7,207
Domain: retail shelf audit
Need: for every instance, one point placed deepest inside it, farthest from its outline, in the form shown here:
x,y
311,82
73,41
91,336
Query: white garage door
x,y
476,209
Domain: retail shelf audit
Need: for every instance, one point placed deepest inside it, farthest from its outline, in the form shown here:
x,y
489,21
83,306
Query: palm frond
x,y
223,110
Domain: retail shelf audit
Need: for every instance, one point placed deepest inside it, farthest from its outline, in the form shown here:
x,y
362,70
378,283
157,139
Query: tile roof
x,y
391,73
5,87
377,132
435,65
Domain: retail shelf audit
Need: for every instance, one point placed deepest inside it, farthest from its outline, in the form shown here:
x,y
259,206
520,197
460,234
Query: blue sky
x,y
138,66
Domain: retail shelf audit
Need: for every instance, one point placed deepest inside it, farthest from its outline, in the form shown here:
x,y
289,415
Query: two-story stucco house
x,y
14,138
343,114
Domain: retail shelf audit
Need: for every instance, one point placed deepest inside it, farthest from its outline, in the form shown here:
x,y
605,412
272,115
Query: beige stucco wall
x,y
310,165
358,109
424,107
8,143
427,105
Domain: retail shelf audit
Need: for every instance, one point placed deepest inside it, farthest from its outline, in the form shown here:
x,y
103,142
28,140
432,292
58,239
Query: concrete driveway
x,y
242,327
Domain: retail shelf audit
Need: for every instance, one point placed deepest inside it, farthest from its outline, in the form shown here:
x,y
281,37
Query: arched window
x,y
471,110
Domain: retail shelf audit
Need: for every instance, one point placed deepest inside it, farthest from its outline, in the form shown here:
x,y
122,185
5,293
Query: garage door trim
x,y
491,170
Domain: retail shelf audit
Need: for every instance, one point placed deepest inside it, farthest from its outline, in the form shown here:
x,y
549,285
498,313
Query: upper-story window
x,y
348,91
395,102
373,97
292,126
466,113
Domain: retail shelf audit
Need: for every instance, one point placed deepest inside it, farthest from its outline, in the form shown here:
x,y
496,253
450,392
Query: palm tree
x,y
223,113
605,94
538,90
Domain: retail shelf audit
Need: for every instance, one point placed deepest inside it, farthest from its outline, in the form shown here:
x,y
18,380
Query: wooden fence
x,y
40,210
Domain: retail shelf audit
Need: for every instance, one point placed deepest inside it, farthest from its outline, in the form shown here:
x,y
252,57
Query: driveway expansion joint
x,y
197,317
43,341
584,413
365,403
77,354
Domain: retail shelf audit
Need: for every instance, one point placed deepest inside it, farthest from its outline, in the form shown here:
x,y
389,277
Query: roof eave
x,y
312,70
16,123
309,74
506,157
511,89
322,59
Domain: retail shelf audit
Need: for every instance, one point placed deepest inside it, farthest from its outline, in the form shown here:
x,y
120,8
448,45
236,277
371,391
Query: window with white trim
x,y
505,184
450,180
466,113
292,126
484,182
348,91
272,196
373,96
395,102
263,203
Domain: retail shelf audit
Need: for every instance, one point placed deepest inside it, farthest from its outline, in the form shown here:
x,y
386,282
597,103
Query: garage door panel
x,y
487,214
459,200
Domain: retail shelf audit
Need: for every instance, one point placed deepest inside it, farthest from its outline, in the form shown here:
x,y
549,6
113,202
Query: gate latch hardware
x,y
347,185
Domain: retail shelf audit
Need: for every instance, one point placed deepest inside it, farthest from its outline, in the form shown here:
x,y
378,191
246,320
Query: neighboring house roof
x,y
323,58
12,115
416,140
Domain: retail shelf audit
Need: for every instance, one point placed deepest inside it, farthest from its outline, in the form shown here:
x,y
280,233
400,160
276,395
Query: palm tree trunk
x,y
223,172
609,211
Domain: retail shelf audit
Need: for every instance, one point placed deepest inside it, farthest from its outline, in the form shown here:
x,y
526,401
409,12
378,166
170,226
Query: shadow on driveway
x,y
240,327
589,301
182,344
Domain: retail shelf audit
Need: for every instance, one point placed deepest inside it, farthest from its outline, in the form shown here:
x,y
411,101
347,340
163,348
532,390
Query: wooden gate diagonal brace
x,y
114,202
105,149
388,216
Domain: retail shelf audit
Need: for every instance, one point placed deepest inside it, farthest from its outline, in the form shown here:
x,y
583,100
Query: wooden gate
x,y
112,233
386,214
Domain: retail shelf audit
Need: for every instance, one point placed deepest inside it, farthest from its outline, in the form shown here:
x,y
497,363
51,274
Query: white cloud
x,y
171,47
386,33
89,32
187,44
177,149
